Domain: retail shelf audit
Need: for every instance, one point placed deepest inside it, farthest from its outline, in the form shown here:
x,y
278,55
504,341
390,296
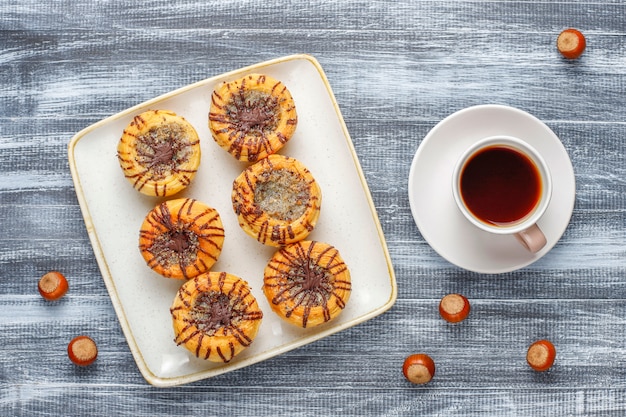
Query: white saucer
x,y
430,188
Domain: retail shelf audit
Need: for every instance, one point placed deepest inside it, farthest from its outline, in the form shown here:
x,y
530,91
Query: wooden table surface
x,y
396,68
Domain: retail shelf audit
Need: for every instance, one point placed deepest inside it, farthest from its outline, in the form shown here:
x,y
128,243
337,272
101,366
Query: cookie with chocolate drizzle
x,y
252,117
215,316
181,238
307,283
277,201
159,153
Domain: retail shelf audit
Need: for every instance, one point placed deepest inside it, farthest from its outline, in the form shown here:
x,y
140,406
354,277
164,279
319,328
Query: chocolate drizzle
x,y
177,244
163,154
307,278
308,283
159,153
215,316
252,117
277,200
212,311
163,149
183,243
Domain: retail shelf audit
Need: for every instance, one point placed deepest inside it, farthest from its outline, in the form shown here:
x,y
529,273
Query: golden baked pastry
x,y
215,316
181,238
307,283
252,117
159,153
277,201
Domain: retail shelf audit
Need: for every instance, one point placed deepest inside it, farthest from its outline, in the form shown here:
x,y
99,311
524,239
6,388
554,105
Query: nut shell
x,y
419,368
82,350
541,355
571,43
52,286
454,308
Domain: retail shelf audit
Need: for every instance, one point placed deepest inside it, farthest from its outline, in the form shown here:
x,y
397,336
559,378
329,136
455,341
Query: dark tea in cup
x,y
500,185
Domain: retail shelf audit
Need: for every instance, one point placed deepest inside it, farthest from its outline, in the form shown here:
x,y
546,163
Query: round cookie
x,y
277,201
181,238
215,316
159,153
252,117
307,283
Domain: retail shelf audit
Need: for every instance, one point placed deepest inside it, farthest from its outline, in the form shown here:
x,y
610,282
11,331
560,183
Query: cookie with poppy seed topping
x,y
277,200
181,238
159,153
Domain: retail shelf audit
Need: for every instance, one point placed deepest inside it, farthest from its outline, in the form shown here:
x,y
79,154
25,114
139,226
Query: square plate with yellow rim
x,y
113,212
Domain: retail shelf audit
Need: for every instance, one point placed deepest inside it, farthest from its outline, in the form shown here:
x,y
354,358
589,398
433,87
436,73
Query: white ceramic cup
x,y
525,229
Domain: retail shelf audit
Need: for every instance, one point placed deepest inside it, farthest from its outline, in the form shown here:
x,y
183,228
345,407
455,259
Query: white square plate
x,y
113,213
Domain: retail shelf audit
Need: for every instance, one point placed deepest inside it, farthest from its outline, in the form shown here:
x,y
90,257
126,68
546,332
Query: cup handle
x,y
532,238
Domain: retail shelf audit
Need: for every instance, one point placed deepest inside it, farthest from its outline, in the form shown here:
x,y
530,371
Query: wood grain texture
x,y
396,68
